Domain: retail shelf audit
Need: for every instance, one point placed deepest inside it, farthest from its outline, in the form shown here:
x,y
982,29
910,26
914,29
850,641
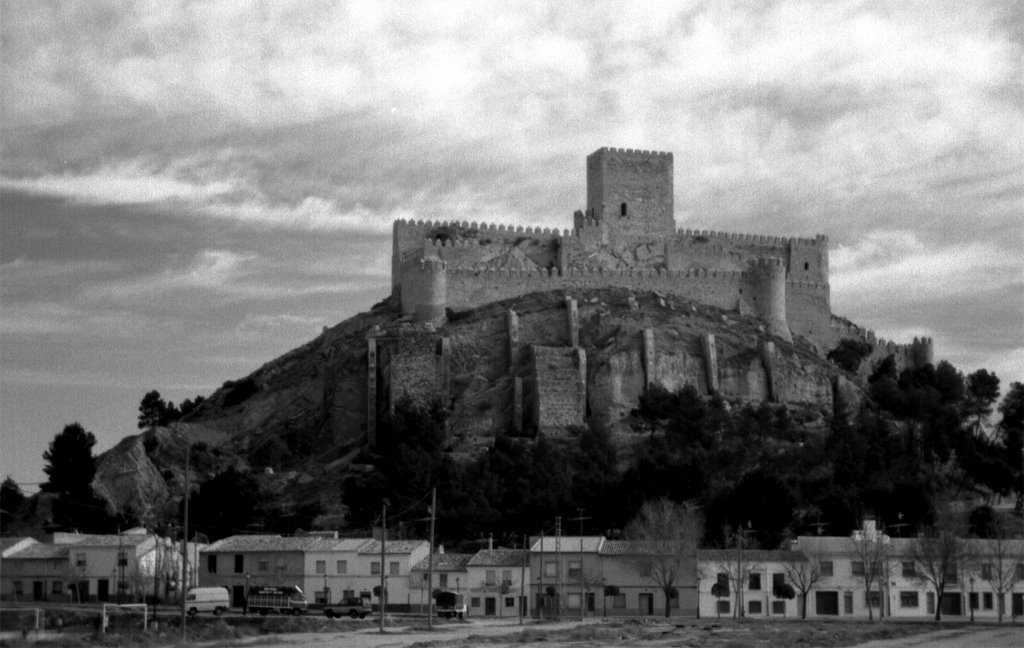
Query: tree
x,y
738,563
982,392
871,548
938,556
849,353
1011,437
668,533
69,460
803,570
996,558
11,499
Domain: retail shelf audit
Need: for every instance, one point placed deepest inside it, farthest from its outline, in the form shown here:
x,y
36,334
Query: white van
x,y
206,599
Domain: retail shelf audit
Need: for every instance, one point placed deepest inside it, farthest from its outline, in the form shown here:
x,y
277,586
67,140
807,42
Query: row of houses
x,y
867,574
134,565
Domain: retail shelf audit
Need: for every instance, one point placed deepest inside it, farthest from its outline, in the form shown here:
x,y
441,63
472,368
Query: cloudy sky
x,y
189,189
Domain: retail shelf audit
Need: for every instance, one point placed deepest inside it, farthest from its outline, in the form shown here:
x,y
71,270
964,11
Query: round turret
x,y
432,297
768,283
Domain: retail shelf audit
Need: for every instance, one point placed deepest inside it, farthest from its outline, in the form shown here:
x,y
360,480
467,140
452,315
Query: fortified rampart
x,y
625,238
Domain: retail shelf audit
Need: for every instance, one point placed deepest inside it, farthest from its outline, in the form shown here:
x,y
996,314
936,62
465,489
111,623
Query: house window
x,y
619,601
754,607
848,602
826,567
122,558
281,565
263,565
375,568
723,582
1019,572
348,593
510,601
80,560
575,568
806,265
443,578
778,607
951,574
573,601
393,568
723,607
873,598
778,580
550,568
973,598
321,567
341,567
211,563
490,578
474,602
19,588
320,597
908,570
908,600
622,209
239,563
986,571
506,577
986,600
754,581
857,567
58,588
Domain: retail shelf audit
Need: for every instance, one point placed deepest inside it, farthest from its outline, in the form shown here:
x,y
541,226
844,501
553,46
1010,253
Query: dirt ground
x,y
698,634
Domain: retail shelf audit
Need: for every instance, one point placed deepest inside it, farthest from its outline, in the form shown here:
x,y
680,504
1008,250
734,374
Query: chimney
x,y
440,548
490,542
869,527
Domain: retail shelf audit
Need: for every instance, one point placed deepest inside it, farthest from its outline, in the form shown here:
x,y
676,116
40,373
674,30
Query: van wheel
x,y
263,612
192,612
329,613
353,613
217,611
296,611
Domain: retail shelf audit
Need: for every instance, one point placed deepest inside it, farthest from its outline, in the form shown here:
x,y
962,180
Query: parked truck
x,y
287,599
450,605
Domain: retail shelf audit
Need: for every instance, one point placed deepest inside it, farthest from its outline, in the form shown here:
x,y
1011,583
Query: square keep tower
x,y
630,192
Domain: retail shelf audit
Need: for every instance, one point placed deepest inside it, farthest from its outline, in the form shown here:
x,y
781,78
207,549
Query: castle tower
x,y
630,192
767,282
432,297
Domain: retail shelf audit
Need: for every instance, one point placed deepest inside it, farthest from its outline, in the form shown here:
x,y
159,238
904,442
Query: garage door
x,y
826,603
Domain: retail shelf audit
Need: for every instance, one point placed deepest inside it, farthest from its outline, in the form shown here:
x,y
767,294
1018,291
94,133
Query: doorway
x,y
103,589
647,604
238,596
490,608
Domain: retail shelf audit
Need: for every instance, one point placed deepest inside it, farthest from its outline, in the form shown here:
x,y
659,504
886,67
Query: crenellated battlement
x,y
625,237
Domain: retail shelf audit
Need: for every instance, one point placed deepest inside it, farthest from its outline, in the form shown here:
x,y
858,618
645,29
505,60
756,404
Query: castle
x,y
625,238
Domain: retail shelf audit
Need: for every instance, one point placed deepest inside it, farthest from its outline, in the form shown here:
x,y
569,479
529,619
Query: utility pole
x,y
383,540
524,597
184,544
541,596
558,562
580,517
430,563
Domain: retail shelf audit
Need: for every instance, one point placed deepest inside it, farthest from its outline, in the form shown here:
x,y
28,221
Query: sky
x,y
190,189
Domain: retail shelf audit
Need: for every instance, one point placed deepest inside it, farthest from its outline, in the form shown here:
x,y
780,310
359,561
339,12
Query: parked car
x,y
350,607
207,599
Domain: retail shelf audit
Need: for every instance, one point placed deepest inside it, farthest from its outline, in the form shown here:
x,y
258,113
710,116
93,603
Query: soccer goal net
x,y
16,619
125,617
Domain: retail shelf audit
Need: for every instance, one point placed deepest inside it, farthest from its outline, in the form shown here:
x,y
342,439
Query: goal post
x,y
21,617
124,611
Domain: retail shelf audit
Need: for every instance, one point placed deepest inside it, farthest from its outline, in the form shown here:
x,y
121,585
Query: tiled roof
x,y
636,548
40,551
501,558
444,562
108,540
8,542
394,546
568,544
239,543
750,555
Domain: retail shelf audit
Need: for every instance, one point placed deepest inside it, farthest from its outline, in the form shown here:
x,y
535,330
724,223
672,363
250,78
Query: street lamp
x,y
456,584
245,598
972,599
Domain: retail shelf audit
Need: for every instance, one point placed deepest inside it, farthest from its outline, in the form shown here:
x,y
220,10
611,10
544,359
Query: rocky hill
x,y
300,421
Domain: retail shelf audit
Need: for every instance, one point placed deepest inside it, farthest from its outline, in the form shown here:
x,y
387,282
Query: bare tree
x,y
996,559
803,570
669,533
871,548
739,564
938,555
